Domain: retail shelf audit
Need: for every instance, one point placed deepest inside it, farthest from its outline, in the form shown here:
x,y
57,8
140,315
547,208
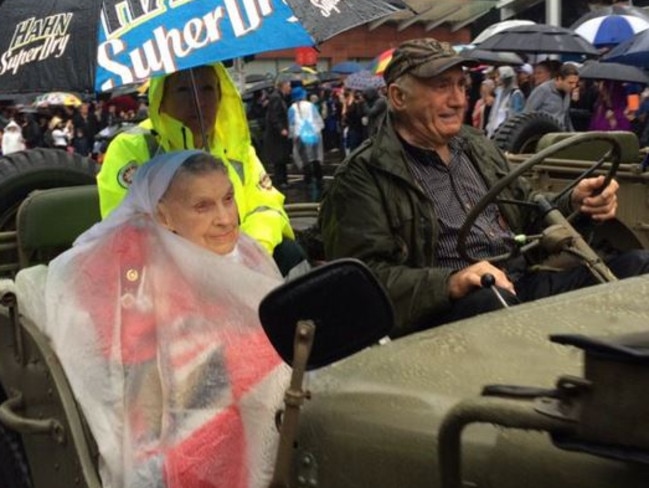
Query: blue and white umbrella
x,y
610,30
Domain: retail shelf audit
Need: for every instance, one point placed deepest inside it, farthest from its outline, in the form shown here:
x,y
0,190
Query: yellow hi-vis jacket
x,y
260,205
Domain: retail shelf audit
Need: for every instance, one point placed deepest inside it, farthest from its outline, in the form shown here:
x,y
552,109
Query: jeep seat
x,y
48,221
593,150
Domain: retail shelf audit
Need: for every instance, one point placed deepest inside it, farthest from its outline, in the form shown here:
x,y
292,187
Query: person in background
x,y
84,129
331,114
142,108
61,133
582,104
31,130
334,124
153,315
12,138
524,78
355,116
277,145
109,115
554,96
43,125
641,122
398,203
256,116
610,110
509,99
376,108
483,105
305,128
220,126
542,73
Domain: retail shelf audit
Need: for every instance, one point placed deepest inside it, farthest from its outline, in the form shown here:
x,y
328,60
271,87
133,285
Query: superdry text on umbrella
x,y
52,30
166,44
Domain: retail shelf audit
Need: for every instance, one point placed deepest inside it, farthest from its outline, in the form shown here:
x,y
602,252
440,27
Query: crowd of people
x,y
343,118
71,128
494,94
498,93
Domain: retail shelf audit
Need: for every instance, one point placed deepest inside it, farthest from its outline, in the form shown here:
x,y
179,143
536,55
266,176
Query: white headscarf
x,y
150,183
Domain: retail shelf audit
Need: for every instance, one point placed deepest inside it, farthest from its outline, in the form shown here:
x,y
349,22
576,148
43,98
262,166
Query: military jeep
x,y
549,393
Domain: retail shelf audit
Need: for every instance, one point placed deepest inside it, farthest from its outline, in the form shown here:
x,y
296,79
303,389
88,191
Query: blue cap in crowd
x,y
298,93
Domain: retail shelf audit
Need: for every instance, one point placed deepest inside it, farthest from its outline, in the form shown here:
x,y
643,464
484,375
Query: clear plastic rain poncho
x,y
163,348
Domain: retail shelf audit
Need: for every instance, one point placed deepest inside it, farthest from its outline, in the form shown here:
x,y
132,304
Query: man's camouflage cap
x,y
423,58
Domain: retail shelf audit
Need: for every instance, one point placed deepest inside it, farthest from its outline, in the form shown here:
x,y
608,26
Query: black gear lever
x,y
489,281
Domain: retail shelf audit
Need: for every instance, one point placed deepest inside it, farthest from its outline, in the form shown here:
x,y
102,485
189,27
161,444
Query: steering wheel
x,y
491,196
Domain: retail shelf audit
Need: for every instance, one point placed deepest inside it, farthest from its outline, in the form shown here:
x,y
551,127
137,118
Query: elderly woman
x,y
153,314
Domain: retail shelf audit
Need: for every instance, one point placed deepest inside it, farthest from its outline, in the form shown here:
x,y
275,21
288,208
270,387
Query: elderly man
x,y
554,96
399,200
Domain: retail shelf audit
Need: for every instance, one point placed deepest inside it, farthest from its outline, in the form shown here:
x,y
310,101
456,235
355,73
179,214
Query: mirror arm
x,y
293,401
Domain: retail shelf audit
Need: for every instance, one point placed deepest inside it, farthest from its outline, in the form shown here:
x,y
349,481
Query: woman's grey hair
x,y
196,165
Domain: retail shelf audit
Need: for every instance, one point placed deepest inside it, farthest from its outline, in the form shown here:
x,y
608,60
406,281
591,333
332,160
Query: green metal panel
x,y
373,418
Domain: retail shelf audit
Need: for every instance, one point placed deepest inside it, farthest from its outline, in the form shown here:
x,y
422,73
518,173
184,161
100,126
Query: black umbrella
x,y
297,74
492,57
596,70
98,45
257,77
260,85
539,39
330,76
634,52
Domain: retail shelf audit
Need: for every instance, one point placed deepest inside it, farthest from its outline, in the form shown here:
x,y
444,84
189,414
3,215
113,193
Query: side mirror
x,y
348,306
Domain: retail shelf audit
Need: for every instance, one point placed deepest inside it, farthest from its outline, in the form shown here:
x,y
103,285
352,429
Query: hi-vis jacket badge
x,y
126,174
265,182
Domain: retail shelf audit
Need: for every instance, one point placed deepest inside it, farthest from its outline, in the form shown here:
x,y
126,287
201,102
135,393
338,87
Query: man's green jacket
x,y
375,211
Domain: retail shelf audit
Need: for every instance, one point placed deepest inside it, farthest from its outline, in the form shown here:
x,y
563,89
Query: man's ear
x,y
396,96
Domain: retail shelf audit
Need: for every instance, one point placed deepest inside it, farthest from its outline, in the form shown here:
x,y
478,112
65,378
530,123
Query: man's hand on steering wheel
x,y
588,200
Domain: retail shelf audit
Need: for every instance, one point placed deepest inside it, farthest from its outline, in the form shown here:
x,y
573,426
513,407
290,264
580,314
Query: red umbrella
x,y
124,103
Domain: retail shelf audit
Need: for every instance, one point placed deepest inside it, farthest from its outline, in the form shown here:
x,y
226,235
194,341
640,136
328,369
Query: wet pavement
x,y
296,191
